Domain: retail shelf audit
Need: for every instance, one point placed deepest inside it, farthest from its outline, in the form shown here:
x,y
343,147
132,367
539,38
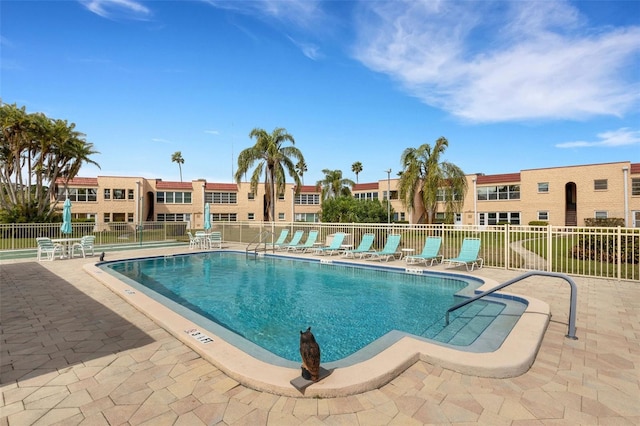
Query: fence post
x,y
507,249
549,250
619,262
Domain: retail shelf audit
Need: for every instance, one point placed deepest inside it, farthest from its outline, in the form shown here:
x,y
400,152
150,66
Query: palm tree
x,y
301,168
356,168
428,180
176,157
334,185
273,159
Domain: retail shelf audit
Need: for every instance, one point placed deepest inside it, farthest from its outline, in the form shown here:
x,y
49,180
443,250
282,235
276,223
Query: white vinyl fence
x,y
581,251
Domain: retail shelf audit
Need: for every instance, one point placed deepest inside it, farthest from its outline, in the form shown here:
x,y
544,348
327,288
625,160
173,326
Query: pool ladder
x,y
571,334
254,245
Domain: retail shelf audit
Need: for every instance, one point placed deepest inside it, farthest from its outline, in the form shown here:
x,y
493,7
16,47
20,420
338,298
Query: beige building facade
x,y
560,196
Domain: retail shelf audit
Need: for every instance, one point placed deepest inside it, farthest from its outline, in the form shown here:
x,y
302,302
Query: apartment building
x,y
561,196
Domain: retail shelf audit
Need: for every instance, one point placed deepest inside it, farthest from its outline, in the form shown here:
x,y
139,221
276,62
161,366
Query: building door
x,y
571,205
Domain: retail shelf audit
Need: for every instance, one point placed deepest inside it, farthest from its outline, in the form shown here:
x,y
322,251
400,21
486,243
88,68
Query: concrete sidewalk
x,y
73,352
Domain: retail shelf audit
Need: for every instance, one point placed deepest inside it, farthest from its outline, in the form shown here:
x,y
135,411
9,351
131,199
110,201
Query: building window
x,y
224,217
280,216
221,197
107,194
306,217
250,216
106,217
311,199
635,186
504,192
543,187
129,217
497,218
174,217
119,194
119,217
78,194
130,194
600,184
366,196
163,197
601,214
441,195
394,195
281,197
543,215
251,196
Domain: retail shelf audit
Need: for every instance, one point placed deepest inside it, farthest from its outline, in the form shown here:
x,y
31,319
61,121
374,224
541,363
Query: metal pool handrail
x,y
572,304
257,240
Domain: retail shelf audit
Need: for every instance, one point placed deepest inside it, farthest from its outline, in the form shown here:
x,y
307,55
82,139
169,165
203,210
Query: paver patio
x,y
73,352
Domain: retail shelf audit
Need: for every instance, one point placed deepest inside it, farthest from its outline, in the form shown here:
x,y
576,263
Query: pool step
x,y
466,324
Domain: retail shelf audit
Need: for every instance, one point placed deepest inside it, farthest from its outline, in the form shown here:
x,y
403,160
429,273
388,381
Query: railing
x,y
580,251
259,239
572,302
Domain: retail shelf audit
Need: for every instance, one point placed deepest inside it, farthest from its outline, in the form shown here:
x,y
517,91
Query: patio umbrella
x,y
66,218
207,219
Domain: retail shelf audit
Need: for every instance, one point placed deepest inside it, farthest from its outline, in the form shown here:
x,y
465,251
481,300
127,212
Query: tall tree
x,y
356,168
176,157
334,185
429,180
274,159
301,168
36,152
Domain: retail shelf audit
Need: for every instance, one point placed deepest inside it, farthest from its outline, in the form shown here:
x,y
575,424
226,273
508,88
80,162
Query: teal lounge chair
x,y
334,247
468,254
295,240
429,252
280,241
308,244
389,251
363,248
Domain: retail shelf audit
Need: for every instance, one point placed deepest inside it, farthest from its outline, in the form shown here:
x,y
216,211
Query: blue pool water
x,y
268,300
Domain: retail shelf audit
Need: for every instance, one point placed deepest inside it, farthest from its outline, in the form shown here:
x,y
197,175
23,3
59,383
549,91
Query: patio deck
x,y
74,352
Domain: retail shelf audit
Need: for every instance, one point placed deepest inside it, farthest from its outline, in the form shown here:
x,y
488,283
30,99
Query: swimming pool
x,y
268,299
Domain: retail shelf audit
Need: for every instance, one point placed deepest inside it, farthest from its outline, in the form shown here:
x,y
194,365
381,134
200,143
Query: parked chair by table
x,y
48,248
194,242
468,254
363,248
85,245
430,252
389,251
214,239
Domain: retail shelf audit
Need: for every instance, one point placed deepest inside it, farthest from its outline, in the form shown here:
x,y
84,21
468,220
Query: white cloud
x,y
613,138
113,9
160,140
503,61
212,132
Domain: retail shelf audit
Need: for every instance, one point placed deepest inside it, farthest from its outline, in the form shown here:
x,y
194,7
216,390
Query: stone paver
x,y
72,352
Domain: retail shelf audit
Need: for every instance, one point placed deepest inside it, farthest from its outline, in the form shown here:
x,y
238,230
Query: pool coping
x,y
513,358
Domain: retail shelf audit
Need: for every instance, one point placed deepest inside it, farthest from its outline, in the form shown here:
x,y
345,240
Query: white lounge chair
x,y
48,248
85,245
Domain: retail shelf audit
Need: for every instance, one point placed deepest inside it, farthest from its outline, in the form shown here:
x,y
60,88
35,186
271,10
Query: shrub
x,y
538,223
600,222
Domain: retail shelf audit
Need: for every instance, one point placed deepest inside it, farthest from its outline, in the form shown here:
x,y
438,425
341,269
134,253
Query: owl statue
x,y
310,353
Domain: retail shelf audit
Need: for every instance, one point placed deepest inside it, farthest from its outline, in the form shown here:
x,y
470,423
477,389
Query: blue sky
x,y
511,84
